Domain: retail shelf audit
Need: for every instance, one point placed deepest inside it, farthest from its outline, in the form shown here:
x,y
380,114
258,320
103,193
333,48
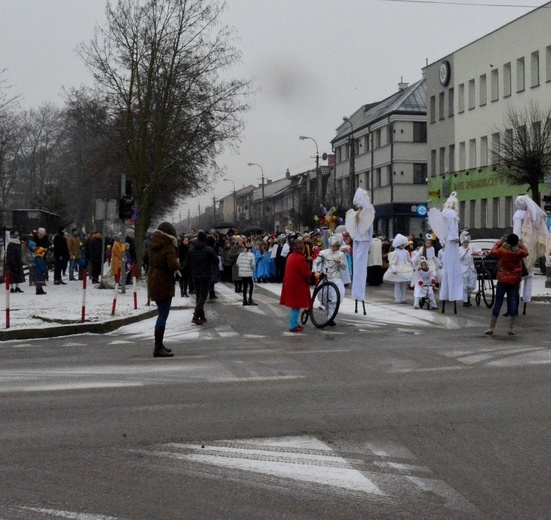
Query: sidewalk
x,y
58,313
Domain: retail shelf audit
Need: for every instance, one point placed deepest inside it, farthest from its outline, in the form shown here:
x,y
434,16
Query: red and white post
x,y
117,280
135,280
84,278
7,300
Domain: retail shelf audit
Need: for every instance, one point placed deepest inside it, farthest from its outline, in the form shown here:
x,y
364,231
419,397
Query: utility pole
x,y
351,161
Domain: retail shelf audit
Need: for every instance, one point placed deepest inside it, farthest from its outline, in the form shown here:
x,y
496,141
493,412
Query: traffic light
x,y
125,208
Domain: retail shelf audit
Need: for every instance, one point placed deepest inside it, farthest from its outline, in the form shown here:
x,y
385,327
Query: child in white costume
x,y
332,263
467,268
424,281
400,270
427,252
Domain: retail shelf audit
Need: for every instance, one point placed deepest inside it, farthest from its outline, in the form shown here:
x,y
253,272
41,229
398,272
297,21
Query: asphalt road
x,y
368,420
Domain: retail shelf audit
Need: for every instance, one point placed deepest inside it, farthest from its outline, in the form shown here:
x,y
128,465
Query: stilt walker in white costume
x,y
530,225
359,224
445,224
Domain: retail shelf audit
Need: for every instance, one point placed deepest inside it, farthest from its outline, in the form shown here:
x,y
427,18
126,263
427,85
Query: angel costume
x,y
423,281
467,268
427,252
529,224
359,224
445,224
400,270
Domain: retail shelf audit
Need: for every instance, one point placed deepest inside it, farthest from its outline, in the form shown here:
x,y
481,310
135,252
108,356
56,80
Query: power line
x,y
477,4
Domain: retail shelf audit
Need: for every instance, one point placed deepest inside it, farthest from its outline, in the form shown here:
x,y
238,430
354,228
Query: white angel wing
x,y
367,217
437,223
350,223
535,238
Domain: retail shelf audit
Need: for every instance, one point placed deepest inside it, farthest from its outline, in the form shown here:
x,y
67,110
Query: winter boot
x,y
160,349
492,327
40,289
251,302
511,332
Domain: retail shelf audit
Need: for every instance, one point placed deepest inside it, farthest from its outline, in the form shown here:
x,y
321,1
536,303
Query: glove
x,y
504,238
421,283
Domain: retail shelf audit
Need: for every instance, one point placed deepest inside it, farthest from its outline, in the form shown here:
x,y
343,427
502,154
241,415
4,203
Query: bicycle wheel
x,y
304,316
325,304
488,290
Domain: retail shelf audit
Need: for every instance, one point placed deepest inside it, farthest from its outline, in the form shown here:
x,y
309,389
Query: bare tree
x,y
10,141
158,68
523,150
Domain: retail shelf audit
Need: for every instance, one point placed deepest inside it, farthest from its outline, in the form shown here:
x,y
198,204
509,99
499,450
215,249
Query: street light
x,y
234,202
318,176
262,205
352,165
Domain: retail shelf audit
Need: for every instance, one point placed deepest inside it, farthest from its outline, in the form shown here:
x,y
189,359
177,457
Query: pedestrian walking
x,y
245,265
201,258
162,258
509,253
295,292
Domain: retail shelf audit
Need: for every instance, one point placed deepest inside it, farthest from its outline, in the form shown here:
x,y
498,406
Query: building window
x,y
494,85
472,213
496,148
339,154
484,151
451,158
432,109
482,90
520,74
378,179
508,209
377,139
356,144
366,143
548,63
495,212
442,160
451,101
388,175
462,214
472,153
433,163
471,94
483,213
461,98
389,134
419,173
535,69
346,149
419,132
506,80
462,155
441,104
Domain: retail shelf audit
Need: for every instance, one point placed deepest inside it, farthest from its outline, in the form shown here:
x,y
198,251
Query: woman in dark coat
x,y
14,262
295,292
162,258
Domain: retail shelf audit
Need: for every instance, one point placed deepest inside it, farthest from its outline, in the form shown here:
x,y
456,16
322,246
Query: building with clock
x,y
469,93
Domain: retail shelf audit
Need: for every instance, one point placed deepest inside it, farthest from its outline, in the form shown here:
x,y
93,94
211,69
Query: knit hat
x,y
165,227
512,239
31,244
202,236
14,234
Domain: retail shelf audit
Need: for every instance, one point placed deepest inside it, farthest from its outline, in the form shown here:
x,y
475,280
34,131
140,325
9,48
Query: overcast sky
x,y
313,61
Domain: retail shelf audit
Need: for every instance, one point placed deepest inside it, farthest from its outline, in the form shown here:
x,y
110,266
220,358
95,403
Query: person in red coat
x,y
295,292
509,253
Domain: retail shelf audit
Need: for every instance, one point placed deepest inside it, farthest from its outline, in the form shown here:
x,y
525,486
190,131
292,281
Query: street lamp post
x,y
351,162
262,204
234,202
318,176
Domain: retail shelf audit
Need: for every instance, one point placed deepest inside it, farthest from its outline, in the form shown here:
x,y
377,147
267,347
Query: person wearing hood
x,y
14,262
200,259
467,268
162,258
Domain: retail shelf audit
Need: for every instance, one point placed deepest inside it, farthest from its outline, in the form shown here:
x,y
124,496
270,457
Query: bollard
x,y
135,280
117,280
84,277
7,300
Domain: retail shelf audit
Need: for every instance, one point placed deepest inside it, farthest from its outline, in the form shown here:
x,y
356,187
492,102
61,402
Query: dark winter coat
x,y
93,251
200,260
509,265
162,258
14,262
61,249
295,292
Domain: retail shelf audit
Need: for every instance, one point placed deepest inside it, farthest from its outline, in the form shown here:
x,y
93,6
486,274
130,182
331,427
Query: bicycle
x,y
326,300
486,288
425,299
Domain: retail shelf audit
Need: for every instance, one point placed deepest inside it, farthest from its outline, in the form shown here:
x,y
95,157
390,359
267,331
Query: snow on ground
x,y
63,304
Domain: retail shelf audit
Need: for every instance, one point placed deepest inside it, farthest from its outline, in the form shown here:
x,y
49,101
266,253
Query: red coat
x,y
509,267
296,288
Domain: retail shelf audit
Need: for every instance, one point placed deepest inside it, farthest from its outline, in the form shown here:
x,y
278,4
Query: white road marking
x,y
70,386
68,514
335,351
253,336
78,344
428,369
120,342
252,379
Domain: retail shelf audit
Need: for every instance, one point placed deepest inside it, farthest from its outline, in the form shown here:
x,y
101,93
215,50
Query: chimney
x,y
402,85
287,174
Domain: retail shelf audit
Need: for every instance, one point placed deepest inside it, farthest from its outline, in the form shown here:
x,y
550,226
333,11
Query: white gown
x,y
451,288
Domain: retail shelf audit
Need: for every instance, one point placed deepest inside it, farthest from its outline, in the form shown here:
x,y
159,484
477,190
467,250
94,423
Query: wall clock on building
x,y
445,72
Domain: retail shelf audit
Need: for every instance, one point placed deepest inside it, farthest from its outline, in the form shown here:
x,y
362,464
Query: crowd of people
x,y
196,261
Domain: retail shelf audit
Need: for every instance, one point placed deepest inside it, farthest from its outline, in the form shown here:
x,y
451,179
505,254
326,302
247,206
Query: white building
x,y
469,93
383,146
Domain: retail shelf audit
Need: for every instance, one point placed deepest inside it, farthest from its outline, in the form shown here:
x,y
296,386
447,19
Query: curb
x,y
76,328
